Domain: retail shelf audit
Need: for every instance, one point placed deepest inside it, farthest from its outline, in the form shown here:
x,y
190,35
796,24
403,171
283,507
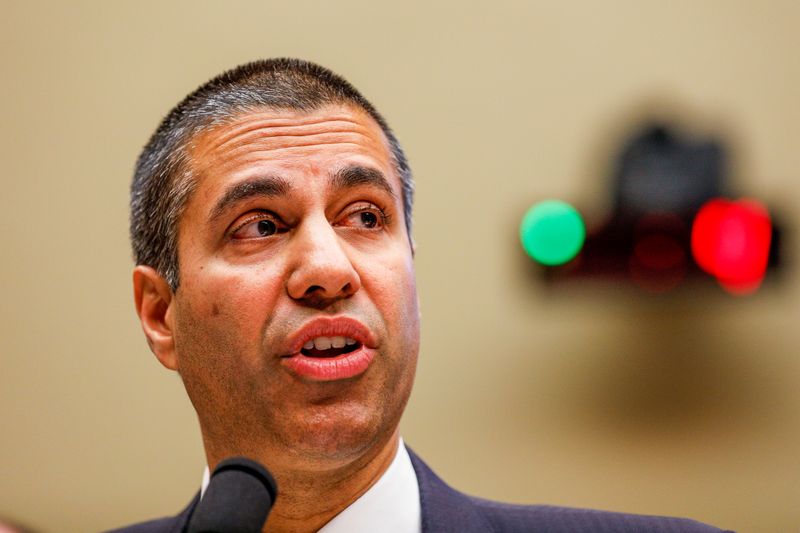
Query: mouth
x,y
328,347
331,349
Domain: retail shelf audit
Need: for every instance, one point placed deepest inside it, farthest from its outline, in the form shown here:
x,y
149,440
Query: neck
x,y
309,500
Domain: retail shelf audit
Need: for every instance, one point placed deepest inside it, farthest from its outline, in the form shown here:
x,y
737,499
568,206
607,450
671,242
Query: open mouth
x,y
331,351
327,347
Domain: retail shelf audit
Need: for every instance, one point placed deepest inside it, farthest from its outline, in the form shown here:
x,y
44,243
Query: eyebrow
x,y
355,176
269,186
272,186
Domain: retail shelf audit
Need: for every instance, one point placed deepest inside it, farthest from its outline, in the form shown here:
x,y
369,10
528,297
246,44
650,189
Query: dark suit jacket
x,y
445,510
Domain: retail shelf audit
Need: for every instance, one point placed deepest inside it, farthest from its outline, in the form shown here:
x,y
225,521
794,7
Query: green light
x,y
552,232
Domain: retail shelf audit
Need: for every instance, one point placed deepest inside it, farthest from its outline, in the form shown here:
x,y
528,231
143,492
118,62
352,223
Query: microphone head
x,y
238,498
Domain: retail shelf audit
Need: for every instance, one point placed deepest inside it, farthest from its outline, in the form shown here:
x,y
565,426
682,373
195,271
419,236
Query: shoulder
x,y
172,524
506,517
445,509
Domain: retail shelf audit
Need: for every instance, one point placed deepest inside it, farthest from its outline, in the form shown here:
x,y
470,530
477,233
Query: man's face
x,y
296,325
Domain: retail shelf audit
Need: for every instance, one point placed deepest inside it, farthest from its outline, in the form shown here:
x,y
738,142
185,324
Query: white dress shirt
x,y
391,505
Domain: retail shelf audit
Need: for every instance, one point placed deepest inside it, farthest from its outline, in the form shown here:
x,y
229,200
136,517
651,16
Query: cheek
x,y
218,343
220,290
220,324
406,289
395,291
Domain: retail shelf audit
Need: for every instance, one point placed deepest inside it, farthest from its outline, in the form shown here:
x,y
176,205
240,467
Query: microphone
x,y
238,498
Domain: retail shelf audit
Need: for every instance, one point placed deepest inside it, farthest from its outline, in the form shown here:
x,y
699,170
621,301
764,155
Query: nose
x,y
322,273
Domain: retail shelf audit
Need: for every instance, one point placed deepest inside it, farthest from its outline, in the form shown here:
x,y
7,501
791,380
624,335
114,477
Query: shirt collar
x,y
391,505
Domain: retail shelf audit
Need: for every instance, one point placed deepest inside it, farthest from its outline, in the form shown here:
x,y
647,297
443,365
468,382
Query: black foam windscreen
x,y
238,499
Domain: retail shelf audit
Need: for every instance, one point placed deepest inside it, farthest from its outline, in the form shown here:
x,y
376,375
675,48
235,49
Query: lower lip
x,y
348,365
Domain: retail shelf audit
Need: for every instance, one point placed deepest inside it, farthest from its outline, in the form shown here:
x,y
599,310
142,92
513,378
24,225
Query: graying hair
x,y
163,180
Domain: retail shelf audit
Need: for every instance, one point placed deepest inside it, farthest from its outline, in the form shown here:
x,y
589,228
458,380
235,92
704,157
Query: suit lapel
x,y
443,508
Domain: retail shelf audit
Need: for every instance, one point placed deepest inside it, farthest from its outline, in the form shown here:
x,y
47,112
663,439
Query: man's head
x,y
271,215
163,180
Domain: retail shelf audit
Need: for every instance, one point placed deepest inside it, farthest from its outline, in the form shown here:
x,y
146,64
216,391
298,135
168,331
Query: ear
x,y
153,297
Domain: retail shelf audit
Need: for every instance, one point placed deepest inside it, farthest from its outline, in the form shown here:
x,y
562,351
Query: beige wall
x,y
686,405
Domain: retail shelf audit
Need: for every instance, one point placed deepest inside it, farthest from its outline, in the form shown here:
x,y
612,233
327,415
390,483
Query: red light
x,y
658,263
659,252
731,240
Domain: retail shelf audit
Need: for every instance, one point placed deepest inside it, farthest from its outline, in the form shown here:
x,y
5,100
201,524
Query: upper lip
x,y
330,327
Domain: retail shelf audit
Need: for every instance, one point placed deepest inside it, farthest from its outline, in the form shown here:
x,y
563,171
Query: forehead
x,y
288,141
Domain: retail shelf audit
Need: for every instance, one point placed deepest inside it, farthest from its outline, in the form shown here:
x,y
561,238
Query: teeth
x,y
325,343
322,343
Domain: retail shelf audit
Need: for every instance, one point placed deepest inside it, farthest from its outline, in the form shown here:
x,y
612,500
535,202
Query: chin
x,y
341,435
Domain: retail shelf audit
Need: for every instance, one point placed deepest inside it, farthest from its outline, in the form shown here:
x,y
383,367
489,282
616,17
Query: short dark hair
x,y
163,180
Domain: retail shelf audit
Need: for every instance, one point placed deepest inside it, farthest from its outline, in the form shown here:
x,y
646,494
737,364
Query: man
x,y
271,225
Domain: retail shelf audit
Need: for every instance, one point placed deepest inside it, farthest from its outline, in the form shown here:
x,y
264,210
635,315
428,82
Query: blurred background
x,y
586,392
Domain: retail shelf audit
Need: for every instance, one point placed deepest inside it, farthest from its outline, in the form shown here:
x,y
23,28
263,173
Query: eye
x,y
369,219
265,228
366,216
257,226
